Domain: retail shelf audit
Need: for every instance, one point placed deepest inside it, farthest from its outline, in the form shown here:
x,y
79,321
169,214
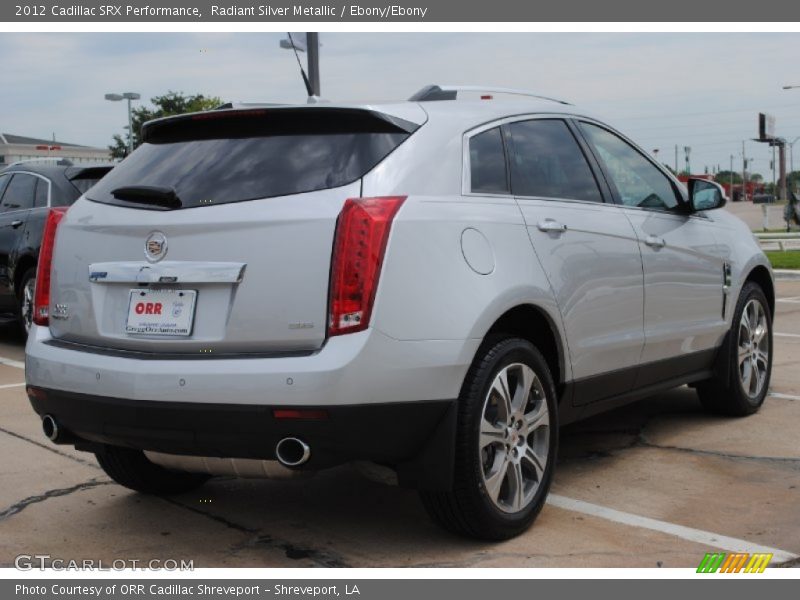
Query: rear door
x,y
215,235
683,268
588,250
17,201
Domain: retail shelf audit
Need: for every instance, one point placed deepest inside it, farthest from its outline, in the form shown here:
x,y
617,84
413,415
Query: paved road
x,y
658,483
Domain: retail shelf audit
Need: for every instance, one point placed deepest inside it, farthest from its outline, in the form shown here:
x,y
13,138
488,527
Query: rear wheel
x,y
505,446
25,297
131,469
743,391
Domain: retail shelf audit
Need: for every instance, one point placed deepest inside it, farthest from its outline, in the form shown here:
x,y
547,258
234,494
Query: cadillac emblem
x,y
155,246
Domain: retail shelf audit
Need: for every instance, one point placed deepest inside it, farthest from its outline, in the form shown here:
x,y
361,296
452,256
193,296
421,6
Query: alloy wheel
x,y
514,438
753,348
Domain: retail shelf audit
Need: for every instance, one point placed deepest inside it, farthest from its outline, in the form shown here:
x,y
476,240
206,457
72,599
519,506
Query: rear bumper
x,y
386,401
414,437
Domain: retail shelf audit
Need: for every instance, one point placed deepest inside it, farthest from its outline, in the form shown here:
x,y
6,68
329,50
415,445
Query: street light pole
x,y
126,96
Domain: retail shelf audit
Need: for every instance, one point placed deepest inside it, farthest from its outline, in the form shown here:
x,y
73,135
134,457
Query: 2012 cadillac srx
x,y
432,286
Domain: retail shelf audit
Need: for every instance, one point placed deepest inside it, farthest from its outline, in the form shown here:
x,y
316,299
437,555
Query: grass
x,y
790,259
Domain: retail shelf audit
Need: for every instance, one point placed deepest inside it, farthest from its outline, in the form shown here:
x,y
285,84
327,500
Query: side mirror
x,y
705,195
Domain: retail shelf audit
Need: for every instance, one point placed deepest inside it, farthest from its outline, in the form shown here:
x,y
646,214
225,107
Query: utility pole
x,y
731,176
782,173
676,159
744,173
772,164
687,151
312,39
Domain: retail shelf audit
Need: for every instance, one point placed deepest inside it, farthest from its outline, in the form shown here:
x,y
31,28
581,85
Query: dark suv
x,y
27,190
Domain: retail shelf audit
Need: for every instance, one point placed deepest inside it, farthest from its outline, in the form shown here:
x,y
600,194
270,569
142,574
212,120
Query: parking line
x,y
784,396
9,362
698,536
11,385
790,335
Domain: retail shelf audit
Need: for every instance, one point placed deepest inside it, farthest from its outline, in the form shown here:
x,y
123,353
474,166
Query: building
x,y
14,148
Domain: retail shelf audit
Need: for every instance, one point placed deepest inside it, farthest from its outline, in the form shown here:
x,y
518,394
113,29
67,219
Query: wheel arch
x,y
23,263
761,276
534,324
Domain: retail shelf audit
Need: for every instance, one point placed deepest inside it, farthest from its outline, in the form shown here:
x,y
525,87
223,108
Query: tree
x,y
172,103
756,177
725,177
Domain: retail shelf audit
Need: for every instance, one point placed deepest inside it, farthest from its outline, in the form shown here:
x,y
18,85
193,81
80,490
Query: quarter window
x,y
487,163
41,193
548,162
638,181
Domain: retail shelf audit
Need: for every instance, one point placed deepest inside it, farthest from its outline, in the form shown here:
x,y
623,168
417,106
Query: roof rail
x,y
58,160
450,92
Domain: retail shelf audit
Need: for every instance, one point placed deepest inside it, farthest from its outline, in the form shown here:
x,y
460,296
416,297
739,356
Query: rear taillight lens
x,y
41,302
361,235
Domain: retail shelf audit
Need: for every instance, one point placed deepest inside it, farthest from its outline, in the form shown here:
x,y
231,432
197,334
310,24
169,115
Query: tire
x,y
25,298
130,468
725,393
482,503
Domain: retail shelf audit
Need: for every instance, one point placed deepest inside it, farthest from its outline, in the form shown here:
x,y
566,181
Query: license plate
x,y
161,312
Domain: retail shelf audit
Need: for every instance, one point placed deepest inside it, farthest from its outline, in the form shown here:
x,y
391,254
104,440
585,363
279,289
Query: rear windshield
x,y
219,170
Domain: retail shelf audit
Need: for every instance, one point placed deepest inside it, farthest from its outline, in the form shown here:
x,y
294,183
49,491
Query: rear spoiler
x,y
87,172
265,121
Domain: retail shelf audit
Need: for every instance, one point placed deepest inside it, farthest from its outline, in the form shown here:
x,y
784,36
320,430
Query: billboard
x,y
766,127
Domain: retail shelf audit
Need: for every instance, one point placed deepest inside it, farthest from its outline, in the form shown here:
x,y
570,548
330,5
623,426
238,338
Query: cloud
x,y
702,90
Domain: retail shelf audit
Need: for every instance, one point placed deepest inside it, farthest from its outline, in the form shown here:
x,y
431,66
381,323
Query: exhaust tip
x,y
292,452
50,427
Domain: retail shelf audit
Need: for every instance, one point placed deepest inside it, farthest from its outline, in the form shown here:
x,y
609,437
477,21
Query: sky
x,y
702,90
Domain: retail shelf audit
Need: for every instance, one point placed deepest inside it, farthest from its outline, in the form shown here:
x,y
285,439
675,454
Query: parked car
x,y
28,189
433,286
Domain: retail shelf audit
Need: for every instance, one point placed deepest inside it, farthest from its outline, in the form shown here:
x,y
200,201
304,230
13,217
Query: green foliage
x,y
725,177
790,259
172,103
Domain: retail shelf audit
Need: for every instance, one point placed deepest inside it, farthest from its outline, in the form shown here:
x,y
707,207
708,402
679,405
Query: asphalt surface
x,y
657,483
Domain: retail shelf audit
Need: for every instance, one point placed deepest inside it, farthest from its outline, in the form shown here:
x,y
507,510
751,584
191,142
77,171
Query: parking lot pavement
x,y
658,483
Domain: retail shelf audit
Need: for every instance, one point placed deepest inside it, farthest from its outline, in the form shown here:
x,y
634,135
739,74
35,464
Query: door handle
x,y
655,242
16,224
549,225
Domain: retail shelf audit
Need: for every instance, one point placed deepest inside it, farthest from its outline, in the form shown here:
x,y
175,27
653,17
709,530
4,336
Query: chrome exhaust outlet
x,y
50,428
292,452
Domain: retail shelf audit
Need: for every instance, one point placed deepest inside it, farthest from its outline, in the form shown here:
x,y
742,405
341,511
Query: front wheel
x,y
743,390
131,469
506,444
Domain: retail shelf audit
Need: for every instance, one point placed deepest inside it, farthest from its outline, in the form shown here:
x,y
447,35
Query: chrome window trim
x,y
466,183
49,192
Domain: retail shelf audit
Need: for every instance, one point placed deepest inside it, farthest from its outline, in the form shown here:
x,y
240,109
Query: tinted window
x,y
41,193
19,193
4,179
638,181
548,162
83,184
217,171
487,163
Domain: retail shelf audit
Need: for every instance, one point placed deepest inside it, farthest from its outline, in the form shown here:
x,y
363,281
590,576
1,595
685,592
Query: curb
x,y
787,274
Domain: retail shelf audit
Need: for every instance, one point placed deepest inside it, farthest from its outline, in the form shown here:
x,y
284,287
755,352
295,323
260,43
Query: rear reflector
x,y
41,302
36,393
299,413
361,236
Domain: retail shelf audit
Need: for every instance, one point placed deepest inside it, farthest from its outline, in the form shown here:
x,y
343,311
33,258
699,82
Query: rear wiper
x,y
148,194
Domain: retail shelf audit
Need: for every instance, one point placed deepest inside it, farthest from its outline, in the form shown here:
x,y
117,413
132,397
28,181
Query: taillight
x,y
41,302
361,235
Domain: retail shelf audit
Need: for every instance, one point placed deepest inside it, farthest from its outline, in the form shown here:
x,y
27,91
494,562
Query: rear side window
x,y
222,164
548,162
19,193
487,163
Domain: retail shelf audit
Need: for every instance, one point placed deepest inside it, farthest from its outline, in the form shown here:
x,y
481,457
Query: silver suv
x,y
430,287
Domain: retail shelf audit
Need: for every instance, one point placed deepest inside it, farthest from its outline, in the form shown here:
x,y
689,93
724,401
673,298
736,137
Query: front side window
x,y
19,193
548,162
487,163
639,182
